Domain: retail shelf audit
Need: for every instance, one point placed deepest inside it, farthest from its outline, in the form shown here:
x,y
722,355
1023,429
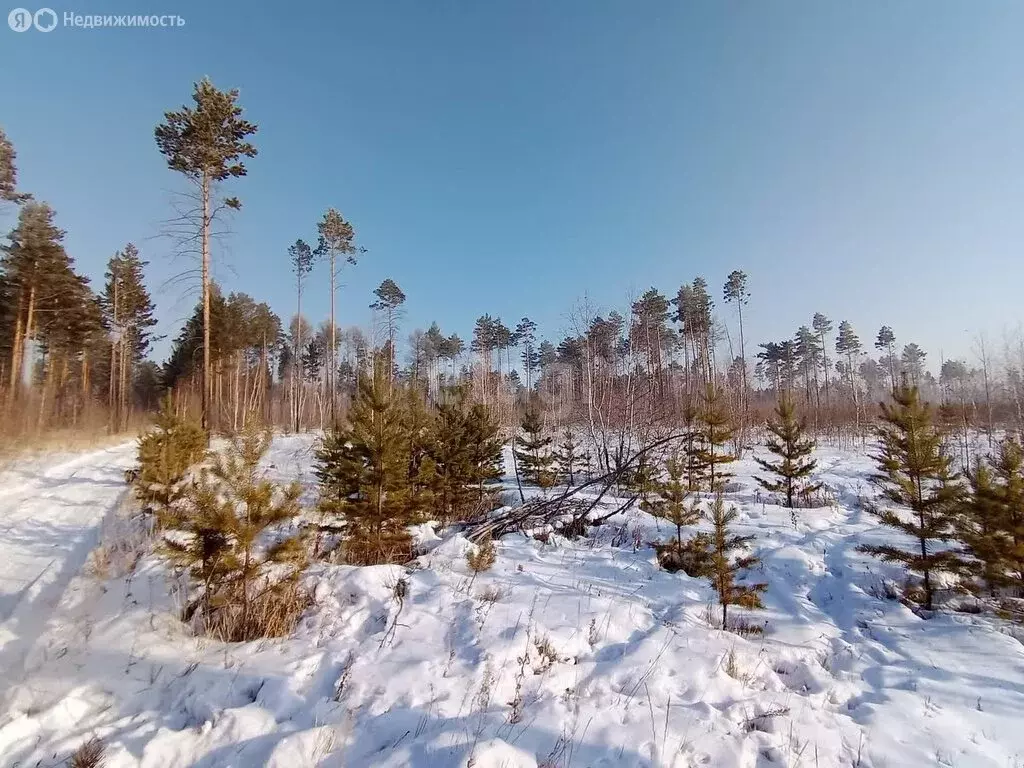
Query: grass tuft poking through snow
x,y
89,755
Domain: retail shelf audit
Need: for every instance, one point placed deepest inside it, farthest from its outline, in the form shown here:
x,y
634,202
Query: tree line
x,y
70,352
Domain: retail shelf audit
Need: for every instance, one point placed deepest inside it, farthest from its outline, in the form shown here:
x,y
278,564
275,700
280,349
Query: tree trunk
x,y
333,360
207,378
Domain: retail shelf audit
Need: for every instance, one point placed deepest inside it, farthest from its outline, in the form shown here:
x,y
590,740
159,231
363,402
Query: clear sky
x,y
865,160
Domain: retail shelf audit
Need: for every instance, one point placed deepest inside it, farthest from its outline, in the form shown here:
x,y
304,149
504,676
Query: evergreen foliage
x,y
127,315
993,523
465,455
533,451
914,472
725,569
485,450
364,472
672,502
9,172
166,453
714,429
568,457
792,446
50,302
207,144
228,511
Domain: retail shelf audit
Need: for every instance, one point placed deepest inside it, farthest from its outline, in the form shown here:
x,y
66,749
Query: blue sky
x,y
865,160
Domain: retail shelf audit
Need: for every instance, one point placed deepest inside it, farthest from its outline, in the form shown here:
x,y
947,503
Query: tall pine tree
x,y
127,318
206,144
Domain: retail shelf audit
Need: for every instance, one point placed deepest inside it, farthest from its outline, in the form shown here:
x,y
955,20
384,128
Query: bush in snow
x,y
245,590
165,455
693,557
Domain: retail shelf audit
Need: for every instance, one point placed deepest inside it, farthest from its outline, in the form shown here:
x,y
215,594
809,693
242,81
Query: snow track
x,y
50,517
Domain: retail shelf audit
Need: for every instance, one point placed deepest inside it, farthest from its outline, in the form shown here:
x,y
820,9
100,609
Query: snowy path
x,y
50,515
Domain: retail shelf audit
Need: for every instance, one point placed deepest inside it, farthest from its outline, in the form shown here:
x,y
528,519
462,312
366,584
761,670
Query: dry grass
x,y
546,652
17,446
273,612
492,594
483,557
89,755
123,542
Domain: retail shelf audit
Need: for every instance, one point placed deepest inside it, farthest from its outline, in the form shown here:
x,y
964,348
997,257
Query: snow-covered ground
x,y
566,653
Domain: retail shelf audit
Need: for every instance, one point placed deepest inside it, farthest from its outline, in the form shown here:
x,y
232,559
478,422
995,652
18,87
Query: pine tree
x,y
207,144
38,276
418,426
229,512
914,472
735,290
808,353
535,459
336,240
465,450
791,444
390,298
526,335
128,318
885,342
714,429
9,172
366,466
568,457
641,477
993,521
980,528
671,501
485,449
724,568
848,344
912,363
301,257
449,451
166,453
823,327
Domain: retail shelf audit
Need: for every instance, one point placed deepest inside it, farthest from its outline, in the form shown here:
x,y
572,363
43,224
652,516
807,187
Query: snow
x,y
565,653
